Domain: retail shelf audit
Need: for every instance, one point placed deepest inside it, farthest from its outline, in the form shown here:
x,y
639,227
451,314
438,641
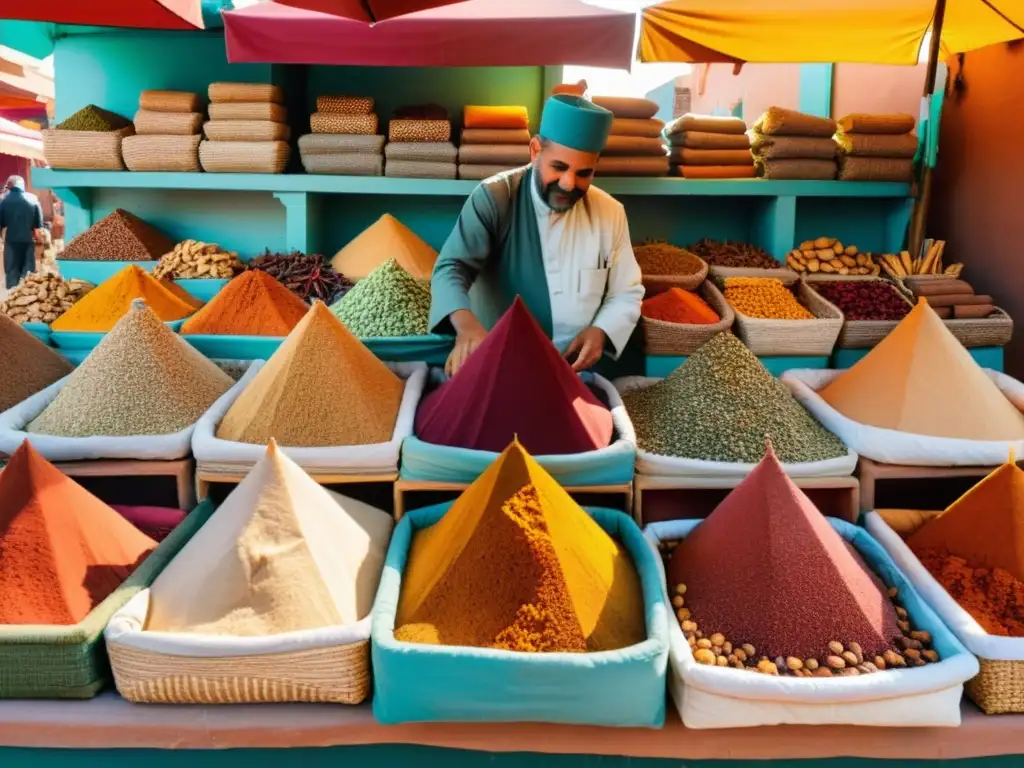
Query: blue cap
x,y
575,122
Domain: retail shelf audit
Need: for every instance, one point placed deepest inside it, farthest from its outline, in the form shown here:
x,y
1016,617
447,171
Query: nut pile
x,y
826,254
42,297
658,258
192,258
730,254
309,277
865,300
838,660
764,297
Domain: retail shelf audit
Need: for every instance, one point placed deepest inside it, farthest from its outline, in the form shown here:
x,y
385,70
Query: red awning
x,y
145,14
475,33
367,10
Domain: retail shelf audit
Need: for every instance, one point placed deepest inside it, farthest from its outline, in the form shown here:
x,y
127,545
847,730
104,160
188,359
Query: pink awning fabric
x,y
475,33
20,142
145,14
367,10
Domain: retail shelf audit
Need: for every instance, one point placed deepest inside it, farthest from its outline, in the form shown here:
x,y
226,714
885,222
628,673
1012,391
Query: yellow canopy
x,y
800,31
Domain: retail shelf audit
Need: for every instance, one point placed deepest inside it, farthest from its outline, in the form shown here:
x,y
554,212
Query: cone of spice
x,y
28,365
118,236
387,238
515,383
767,574
252,304
516,564
389,303
321,387
63,551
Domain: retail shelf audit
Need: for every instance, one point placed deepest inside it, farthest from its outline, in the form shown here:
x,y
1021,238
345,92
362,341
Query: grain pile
x,y
308,277
118,236
322,387
142,379
385,239
730,254
191,259
42,297
516,564
515,383
658,258
766,584
283,554
921,380
975,550
720,405
28,365
63,551
388,303
764,297
93,118
105,305
253,304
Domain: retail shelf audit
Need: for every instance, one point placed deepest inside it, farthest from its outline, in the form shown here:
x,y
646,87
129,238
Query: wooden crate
x,y
208,473
910,487
656,499
182,470
405,488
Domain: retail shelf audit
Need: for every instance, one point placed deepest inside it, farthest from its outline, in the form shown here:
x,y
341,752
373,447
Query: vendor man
x,y
541,232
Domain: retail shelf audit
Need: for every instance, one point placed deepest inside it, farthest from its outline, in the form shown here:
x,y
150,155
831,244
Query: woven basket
x,y
999,688
682,339
162,153
85,150
996,330
221,93
149,123
655,284
794,337
246,130
788,276
861,334
243,111
336,674
244,156
170,101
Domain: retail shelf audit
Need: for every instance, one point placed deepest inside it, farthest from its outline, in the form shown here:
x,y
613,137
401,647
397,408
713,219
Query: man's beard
x,y
557,198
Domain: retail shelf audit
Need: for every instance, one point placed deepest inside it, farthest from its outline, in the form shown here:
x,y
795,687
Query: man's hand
x,y
588,347
469,335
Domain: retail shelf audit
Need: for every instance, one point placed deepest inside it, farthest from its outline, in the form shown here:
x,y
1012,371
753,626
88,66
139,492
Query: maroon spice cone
x,y
767,568
515,383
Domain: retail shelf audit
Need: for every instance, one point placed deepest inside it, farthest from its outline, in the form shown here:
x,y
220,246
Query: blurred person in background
x,y
21,219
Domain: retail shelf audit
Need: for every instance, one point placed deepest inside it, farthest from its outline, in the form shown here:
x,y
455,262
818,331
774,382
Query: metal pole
x,y
919,219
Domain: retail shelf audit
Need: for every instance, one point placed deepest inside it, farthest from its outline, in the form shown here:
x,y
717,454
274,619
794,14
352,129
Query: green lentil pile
x,y
720,405
142,379
93,118
389,302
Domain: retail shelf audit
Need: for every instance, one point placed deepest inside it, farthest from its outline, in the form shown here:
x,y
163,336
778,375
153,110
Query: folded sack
x,y
793,147
634,146
633,166
155,123
345,105
787,122
329,122
509,155
347,164
495,136
712,157
418,169
630,126
246,130
169,101
430,151
689,123
495,117
876,169
623,106
819,170
408,129
860,144
884,124
341,143
716,171
248,111
702,140
479,172
421,112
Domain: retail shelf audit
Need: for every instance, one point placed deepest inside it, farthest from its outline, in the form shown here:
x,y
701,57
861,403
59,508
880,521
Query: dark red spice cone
x,y
767,568
515,383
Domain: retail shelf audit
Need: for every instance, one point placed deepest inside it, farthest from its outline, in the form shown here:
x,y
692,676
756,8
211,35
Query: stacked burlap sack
x,y
709,147
494,139
344,138
420,144
791,145
248,130
876,147
626,153
168,129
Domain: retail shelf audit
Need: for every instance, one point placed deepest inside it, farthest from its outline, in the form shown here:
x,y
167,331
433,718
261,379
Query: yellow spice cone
x,y
387,238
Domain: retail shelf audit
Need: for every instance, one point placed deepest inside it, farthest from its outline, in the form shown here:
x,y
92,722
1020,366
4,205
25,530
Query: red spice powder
x,y
767,568
992,596
678,306
515,383
62,550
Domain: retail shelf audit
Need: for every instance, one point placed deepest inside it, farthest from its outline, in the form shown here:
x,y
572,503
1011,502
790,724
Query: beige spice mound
x,y
142,379
28,366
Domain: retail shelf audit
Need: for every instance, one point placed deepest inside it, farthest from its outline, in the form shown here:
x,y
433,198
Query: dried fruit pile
x,y
191,259
42,298
309,277
730,254
826,254
865,300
